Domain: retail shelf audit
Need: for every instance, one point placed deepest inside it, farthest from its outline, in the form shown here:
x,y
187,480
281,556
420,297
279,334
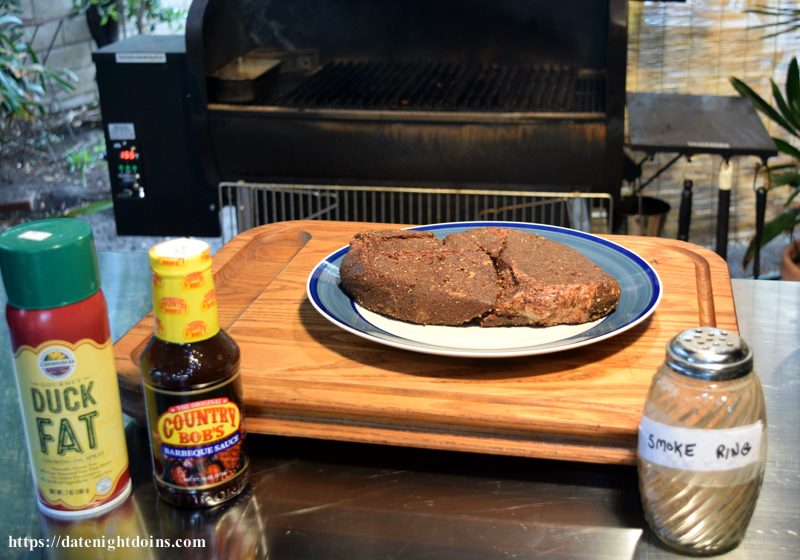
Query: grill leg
x,y
723,213
724,207
761,207
685,212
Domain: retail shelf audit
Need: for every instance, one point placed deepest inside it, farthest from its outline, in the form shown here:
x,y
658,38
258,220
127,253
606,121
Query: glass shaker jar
x,y
702,443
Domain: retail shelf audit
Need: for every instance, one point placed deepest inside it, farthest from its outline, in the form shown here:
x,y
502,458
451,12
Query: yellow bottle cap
x,y
180,256
184,299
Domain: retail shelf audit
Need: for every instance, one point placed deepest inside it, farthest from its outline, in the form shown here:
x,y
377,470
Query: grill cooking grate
x,y
440,86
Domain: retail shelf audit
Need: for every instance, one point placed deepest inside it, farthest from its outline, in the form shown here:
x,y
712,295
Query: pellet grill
x,y
480,94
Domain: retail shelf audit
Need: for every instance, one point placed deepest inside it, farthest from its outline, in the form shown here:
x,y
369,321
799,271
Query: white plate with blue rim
x,y
641,294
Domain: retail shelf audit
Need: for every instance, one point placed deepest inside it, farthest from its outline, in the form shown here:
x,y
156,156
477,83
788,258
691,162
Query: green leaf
x,y
780,179
65,79
783,31
759,103
787,112
793,85
793,195
773,24
763,9
10,20
785,221
36,89
31,53
773,168
10,85
786,148
92,208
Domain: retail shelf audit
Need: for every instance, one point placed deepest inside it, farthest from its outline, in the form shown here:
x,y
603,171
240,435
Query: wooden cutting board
x,y
305,377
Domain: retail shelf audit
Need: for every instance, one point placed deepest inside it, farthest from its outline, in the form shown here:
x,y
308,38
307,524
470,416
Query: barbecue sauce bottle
x,y
192,386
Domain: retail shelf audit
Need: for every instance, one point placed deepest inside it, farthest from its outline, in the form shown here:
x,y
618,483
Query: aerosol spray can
x,y
64,362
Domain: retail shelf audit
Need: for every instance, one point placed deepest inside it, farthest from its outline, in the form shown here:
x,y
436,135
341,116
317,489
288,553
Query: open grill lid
x,y
496,93
448,55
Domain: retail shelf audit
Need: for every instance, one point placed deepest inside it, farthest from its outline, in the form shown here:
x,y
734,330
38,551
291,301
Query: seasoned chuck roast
x,y
542,282
493,276
412,276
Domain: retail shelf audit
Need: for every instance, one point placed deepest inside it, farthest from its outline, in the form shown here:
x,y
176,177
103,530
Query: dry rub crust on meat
x,y
412,276
493,276
542,282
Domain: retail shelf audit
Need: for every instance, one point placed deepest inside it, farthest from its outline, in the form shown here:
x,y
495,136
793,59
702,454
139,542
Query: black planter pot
x,y
102,34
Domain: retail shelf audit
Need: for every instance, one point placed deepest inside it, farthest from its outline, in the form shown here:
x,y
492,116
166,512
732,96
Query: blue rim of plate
x,y
641,294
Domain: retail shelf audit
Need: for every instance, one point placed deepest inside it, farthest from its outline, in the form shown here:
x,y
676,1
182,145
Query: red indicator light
x,y
127,155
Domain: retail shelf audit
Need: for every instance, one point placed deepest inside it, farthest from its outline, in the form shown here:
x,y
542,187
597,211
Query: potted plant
x,y
105,17
790,261
102,18
785,175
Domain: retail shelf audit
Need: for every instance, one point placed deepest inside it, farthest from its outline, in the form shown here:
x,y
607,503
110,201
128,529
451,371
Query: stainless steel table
x,y
314,499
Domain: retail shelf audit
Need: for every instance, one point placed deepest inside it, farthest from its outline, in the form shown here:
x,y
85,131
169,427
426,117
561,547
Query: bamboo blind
x,y
694,47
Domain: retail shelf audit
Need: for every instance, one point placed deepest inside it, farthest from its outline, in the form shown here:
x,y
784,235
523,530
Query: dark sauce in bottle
x,y
192,385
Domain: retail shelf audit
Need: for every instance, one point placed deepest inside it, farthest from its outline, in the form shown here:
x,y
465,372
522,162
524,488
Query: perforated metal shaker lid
x,y
709,353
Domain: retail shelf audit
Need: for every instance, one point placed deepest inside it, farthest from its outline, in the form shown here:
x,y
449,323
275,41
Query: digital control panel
x,y
125,163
